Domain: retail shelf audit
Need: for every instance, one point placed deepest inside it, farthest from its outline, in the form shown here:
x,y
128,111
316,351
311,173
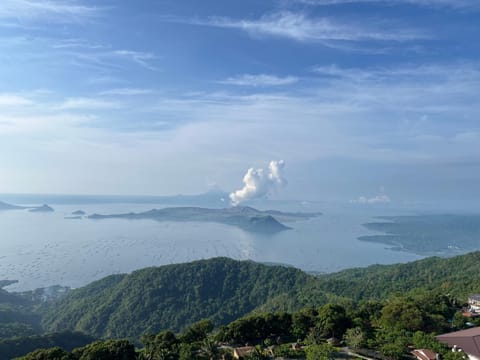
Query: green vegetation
x,y
184,311
385,328
16,316
222,290
17,346
457,276
428,234
171,297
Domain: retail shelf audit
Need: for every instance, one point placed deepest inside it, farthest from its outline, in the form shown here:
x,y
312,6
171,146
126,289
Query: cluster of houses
x,y
465,341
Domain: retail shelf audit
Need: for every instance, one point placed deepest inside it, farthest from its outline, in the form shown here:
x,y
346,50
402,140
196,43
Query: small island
x,y
43,208
244,217
79,213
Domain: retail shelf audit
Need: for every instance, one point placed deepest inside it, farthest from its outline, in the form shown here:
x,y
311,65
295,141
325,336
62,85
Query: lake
x,y
43,249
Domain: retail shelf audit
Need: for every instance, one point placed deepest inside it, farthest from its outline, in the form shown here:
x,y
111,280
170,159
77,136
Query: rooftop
x,y
467,340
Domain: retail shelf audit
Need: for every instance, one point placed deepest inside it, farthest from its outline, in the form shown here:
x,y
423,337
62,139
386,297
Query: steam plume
x,y
258,183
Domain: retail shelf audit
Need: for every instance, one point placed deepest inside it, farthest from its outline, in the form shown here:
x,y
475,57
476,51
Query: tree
x,y
402,313
393,343
197,331
459,321
332,320
55,353
162,346
302,322
422,340
107,350
355,338
320,352
209,349
186,352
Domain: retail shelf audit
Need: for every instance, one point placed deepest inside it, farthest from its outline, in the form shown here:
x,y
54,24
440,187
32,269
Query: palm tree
x,y
209,349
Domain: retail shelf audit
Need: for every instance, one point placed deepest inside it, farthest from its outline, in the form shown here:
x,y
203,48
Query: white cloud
x,y
84,103
259,80
56,10
299,27
125,92
258,183
13,100
141,58
456,4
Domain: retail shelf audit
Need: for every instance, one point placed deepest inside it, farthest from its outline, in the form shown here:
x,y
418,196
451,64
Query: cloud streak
x,y
53,10
300,27
259,80
455,4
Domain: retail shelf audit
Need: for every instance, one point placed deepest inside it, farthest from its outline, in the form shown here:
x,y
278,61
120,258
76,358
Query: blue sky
x,y
361,98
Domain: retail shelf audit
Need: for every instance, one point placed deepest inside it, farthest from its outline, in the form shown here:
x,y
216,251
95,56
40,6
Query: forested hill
x,y
459,276
171,297
221,289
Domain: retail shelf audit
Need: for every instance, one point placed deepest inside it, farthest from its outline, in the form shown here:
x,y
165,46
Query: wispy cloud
x,y
125,92
300,27
259,80
76,52
141,58
76,43
455,4
84,103
52,10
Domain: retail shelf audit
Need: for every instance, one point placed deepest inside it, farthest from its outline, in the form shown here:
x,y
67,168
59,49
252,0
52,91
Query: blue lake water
x,y
43,249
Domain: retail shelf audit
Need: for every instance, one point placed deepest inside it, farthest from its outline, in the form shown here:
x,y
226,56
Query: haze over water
x,y
44,249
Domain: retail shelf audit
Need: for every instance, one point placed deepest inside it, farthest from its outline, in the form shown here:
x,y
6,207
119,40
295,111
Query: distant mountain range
x,y
244,217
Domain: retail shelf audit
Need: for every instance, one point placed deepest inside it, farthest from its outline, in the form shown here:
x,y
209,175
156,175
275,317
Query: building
x,y
474,303
467,341
425,354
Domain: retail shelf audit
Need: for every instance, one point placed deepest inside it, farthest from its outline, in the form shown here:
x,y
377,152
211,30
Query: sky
x,y
366,101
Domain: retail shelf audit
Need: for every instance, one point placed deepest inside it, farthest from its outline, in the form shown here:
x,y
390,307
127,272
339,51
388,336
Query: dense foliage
x,y
171,297
457,276
174,296
384,328
17,346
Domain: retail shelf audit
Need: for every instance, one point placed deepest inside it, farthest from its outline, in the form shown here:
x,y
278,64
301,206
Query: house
x,y
240,352
425,354
467,341
474,303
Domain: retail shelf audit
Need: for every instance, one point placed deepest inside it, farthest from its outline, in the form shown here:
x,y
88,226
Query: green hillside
x,y
171,297
458,276
221,289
